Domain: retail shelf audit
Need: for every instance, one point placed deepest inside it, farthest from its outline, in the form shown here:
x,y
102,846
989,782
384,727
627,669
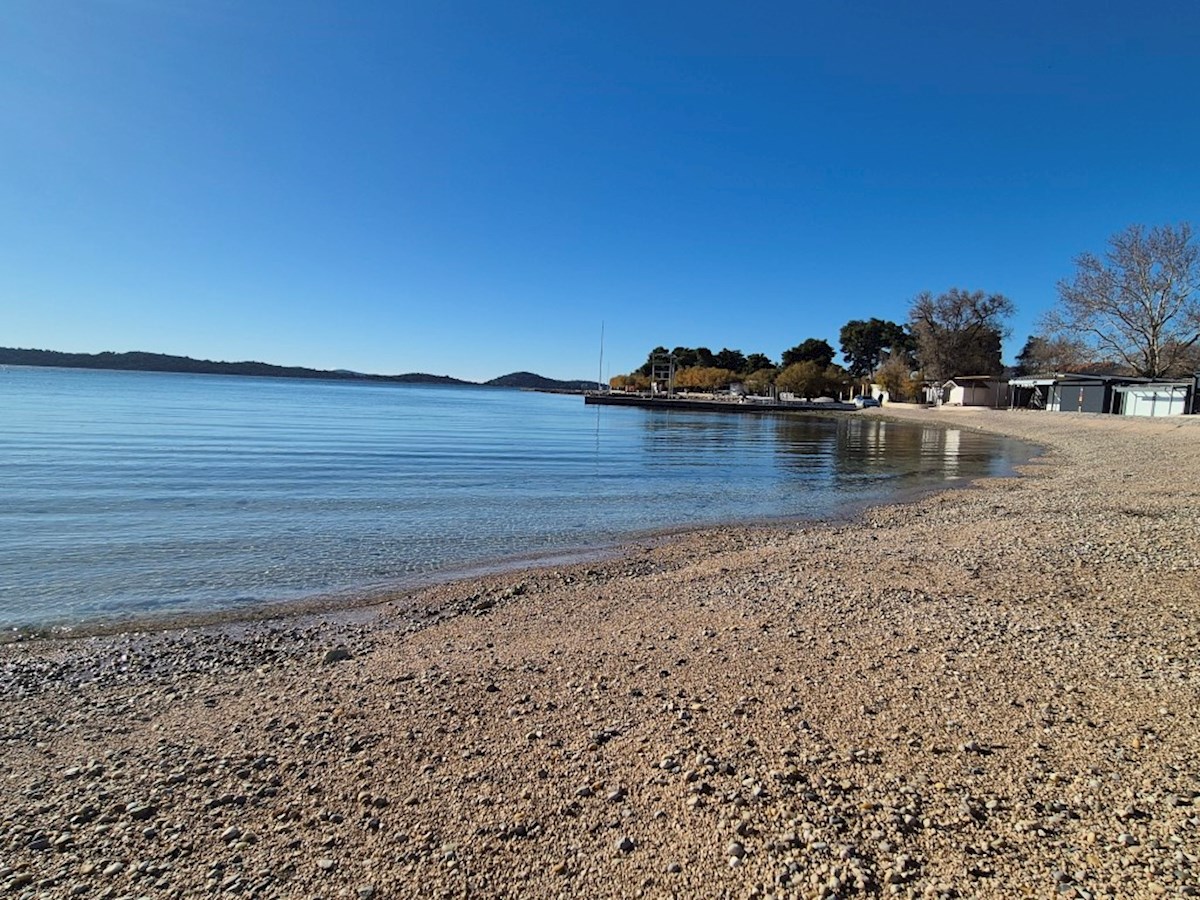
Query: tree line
x,y
1135,310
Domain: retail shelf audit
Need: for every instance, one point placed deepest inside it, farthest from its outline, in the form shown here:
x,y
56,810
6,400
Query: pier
x,y
659,401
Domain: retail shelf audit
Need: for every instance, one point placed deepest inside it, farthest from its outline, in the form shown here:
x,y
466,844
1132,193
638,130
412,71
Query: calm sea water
x,y
133,494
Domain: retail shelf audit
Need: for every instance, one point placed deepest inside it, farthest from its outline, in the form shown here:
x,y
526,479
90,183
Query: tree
x,y
648,365
632,382
804,379
811,350
866,344
760,380
1140,304
684,357
733,360
756,362
1043,355
959,332
895,376
705,378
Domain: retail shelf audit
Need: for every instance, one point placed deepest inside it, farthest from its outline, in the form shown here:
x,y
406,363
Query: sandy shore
x,y
991,692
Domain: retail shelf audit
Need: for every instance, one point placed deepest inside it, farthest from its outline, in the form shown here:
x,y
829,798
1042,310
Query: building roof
x,y
1049,378
1154,386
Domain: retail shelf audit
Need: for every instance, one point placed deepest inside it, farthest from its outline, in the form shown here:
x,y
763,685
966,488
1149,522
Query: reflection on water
x,y
174,493
849,451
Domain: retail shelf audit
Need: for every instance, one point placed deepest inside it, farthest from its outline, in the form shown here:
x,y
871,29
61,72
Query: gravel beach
x,y
987,692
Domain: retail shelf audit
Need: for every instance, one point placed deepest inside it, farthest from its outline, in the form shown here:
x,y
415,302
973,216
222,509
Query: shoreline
x,y
354,601
981,692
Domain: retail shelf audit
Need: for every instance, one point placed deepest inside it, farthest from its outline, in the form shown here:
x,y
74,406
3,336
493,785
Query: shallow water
x,y
132,494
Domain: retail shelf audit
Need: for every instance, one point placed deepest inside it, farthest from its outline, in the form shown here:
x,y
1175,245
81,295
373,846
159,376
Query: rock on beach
x,y
990,692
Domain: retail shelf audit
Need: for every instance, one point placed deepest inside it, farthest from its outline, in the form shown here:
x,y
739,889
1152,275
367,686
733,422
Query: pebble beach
x,y
991,691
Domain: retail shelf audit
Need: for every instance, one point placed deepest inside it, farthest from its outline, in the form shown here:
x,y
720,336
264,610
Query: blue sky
x,y
472,188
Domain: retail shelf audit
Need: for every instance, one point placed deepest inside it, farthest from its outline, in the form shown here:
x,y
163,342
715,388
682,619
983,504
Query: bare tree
x,y
1140,304
1042,355
959,332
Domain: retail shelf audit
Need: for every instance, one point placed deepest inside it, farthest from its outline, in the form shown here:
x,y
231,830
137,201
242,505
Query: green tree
x,y
685,357
959,332
760,380
867,343
811,350
757,361
733,360
807,378
648,365
1140,304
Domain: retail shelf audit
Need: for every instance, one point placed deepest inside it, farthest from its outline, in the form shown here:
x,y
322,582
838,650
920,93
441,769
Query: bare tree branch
x,y
1142,303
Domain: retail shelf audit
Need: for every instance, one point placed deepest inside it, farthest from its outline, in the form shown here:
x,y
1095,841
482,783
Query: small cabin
x,y
1066,392
975,390
1157,398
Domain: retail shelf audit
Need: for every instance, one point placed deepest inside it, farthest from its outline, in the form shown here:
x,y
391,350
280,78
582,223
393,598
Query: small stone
x,y
232,833
113,868
325,864
626,845
140,812
336,655
674,868
735,849
366,892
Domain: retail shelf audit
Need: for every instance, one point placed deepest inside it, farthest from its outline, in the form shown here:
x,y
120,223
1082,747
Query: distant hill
x,y
530,381
161,362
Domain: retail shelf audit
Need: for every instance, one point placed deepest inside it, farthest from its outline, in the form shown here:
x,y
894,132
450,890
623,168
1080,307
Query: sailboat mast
x,y
600,372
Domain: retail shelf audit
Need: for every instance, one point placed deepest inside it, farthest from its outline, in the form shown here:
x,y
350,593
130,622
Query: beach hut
x,y
1066,392
975,390
1157,398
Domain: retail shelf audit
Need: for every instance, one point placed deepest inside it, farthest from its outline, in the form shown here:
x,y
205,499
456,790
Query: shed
x,y
1156,398
1066,392
975,390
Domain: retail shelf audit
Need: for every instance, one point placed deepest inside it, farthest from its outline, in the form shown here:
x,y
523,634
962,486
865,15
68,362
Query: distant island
x,y
160,362
531,382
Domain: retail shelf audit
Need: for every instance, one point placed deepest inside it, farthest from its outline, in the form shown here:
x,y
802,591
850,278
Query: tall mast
x,y
600,372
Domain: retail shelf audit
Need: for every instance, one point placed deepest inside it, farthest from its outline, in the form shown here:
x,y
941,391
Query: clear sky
x,y
471,188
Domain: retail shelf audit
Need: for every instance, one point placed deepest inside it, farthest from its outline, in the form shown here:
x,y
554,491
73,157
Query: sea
x,y
134,496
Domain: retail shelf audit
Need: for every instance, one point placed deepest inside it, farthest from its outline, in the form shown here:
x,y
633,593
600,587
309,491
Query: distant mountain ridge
x,y
530,381
137,361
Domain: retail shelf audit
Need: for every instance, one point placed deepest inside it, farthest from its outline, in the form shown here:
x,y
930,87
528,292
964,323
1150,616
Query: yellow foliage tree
x,y
895,376
703,378
633,382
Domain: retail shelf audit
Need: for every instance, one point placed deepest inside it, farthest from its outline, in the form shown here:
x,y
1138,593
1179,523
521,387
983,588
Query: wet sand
x,y
988,692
